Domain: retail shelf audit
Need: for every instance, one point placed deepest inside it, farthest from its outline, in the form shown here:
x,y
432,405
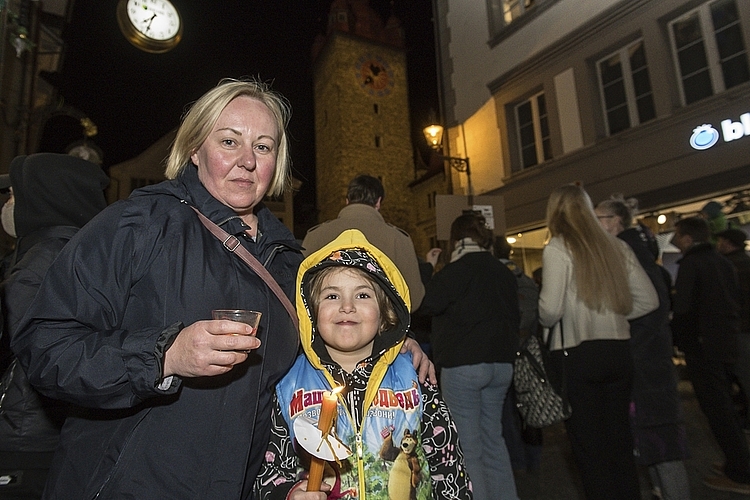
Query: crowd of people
x,y
117,383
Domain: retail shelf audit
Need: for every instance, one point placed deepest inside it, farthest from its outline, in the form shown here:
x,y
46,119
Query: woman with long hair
x,y
593,284
656,420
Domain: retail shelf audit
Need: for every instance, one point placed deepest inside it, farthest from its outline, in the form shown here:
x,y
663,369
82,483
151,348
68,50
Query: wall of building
x,y
472,63
556,53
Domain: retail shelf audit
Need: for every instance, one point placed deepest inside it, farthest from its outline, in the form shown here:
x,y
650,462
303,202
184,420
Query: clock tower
x,y
362,110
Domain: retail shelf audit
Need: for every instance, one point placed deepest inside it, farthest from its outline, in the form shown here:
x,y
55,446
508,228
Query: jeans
x,y
524,443
475,395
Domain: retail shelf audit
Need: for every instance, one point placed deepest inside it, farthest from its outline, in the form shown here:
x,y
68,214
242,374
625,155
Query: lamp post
x,y
433,134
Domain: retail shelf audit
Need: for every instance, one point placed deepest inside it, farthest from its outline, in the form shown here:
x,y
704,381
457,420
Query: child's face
x,y
348,316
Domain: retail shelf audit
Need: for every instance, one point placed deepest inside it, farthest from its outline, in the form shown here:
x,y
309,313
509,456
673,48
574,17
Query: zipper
x,y
362,495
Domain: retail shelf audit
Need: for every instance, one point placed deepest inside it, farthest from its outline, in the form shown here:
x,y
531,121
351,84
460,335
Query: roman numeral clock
x,y
151,25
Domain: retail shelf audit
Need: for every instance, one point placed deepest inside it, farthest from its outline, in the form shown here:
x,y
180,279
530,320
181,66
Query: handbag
x,y
537,400
233,244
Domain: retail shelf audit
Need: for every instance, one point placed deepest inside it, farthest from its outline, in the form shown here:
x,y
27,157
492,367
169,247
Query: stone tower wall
x,y
362,124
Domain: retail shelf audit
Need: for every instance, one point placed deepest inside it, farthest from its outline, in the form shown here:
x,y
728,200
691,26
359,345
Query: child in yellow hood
x,y
353,317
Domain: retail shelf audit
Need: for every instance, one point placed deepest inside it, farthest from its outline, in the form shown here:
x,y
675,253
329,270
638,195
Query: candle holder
x,y
319,440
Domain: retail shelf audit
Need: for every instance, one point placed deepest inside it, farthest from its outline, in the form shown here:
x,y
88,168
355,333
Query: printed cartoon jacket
x,y
405,441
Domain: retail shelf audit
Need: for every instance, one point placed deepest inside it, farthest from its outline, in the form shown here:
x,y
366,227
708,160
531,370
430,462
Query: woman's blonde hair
x,y
198,122
599,270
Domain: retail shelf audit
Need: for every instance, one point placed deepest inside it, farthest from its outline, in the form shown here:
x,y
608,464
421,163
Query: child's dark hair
x,y
388,315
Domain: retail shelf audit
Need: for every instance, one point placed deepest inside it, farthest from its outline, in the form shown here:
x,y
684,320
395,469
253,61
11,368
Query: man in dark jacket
x,y
705,323
53,195
731,244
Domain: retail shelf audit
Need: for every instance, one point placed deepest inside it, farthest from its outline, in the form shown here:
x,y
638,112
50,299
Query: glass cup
x,y
251,318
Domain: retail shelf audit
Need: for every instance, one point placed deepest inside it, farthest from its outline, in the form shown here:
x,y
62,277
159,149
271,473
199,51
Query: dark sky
x,y
135,97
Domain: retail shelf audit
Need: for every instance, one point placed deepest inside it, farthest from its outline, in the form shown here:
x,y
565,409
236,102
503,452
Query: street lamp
x,y
433,134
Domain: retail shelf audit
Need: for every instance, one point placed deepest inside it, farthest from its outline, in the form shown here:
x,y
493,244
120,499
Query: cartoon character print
x,y
404,474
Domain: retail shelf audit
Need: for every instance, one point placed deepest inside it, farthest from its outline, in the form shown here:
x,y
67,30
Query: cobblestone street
x,y
558,480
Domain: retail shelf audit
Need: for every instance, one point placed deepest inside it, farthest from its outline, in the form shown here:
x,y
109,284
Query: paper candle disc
x,y
311,439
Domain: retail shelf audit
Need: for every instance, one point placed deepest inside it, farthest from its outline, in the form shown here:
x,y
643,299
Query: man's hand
x,y
208,348
423,365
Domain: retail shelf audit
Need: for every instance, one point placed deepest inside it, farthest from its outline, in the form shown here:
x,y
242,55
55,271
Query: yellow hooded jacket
x,y
352,249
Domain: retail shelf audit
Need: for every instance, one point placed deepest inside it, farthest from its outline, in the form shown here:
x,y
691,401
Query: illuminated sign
x,y
706,136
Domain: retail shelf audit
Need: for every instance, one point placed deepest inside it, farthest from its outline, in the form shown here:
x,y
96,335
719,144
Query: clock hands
x,y
150,20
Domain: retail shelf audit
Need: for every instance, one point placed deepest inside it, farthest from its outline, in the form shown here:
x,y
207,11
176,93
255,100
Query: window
x,y
626,88
709,52
431,199
504,12
533,131
377,141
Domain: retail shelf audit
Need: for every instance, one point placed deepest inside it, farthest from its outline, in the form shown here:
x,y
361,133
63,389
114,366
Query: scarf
x,y
464,246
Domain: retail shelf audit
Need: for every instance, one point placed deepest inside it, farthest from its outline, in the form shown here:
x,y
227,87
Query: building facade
x,y
30,43
648,98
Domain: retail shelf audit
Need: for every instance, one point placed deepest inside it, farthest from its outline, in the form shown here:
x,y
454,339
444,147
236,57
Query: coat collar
x,y
697,249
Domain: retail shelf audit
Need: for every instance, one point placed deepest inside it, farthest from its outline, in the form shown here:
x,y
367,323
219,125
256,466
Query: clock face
x,y
151,25
155,19
374,75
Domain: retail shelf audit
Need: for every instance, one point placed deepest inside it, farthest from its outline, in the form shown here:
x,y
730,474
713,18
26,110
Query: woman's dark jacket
x,y
474,305
655,397
110,306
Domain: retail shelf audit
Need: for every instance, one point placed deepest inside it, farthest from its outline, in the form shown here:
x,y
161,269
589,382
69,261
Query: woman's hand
x,y
208,348
422,363
299,492
432,256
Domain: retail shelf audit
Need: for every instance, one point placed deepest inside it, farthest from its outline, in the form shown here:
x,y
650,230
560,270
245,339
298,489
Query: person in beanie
x,y
53,195
717,221
353,313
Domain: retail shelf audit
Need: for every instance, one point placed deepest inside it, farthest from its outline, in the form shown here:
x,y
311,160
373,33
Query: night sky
x,y
135,97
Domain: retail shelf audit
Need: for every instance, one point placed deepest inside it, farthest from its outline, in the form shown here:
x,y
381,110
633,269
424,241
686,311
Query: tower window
x,y
377,141
375,108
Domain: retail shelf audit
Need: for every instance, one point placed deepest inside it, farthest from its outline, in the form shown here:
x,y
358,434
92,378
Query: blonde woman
x,y
593,284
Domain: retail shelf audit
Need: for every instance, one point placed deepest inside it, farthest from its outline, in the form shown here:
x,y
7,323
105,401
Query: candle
x,y
325,422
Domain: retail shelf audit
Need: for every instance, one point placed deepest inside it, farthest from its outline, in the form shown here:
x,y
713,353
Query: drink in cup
x,y
251,318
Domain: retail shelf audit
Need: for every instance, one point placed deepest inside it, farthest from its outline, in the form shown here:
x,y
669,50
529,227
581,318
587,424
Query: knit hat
x,y
712,209
53,189
736,237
